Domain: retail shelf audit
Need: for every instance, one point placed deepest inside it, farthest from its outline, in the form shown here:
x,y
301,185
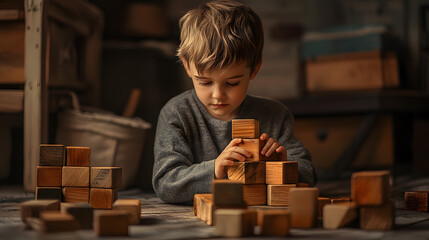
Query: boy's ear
x,y
256,70
186,66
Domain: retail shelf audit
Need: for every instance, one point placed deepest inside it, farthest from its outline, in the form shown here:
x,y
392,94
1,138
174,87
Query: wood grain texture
x,y
249,172
55,221
234,222
75,177
278,195
76,194
227,192
255,146
11,101
381,218
416,201
370,188
51,155
53,193
49,176
82,212
204,207
32,208
339,215
255,194
111,223
281,172
321,203
78,156
303,206
245,128
106,177
103,198
336,200
132,206
274,222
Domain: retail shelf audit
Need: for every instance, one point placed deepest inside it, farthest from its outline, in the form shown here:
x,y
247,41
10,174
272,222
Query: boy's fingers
x,y
272,149
235,142
242,151
267,146
229,163
237,156
263,136
283,152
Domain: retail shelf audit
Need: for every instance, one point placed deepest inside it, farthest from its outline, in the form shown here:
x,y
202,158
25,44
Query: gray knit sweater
x,y
188,140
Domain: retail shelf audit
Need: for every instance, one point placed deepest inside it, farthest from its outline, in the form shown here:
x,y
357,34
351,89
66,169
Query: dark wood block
x,y
132,206
381,218
245,128
49,176
103,198
274,222
75,176
227,192
53,193
278,195
55,221
370,188
255,194
234,222
82,212
281,172
78,156
76,194
106,177
255,146
51,155
111,223
248,172
416,201
321,203
32,208
303,207
339,215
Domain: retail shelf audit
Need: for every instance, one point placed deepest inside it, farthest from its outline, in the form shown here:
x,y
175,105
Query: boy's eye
x,y
232,84
204,83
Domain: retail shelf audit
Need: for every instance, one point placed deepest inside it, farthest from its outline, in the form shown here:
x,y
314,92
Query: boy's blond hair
x,y
221,33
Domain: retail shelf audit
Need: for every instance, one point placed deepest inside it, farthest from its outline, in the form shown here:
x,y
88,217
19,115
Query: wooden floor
x,y
167,221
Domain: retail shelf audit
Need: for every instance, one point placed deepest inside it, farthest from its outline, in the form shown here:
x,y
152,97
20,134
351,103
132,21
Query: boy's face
x,y
222,90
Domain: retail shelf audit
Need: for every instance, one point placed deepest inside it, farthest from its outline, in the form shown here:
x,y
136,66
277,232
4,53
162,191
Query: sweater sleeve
x,y
176,176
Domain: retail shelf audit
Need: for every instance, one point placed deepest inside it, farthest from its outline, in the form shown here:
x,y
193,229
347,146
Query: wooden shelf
x,y
11,101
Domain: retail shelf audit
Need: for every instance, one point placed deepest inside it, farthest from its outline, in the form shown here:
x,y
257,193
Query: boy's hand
x,y
272,146
231,153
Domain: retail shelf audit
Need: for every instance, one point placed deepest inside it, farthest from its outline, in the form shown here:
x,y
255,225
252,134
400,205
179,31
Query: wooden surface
x,y
370,188
76,194
53,193
303,206
132,206
111,223
255,194
11,101
234,222
417,201
274,223
227,193
339,215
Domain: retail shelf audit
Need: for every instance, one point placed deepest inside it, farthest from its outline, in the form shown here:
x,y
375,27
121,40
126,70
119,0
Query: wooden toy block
x,y
111,223
49,176
274,222
106,177
303,206
32,208
53,193
227,192
248,172
132,206
245,128
416,201
75,177
281,172
370,188
302,185
336,200
55,221
278,195
78,156
82,212
234,222
203,207
255,146
380,218
51,155
76,194
103,198
255,194
321,202
339,215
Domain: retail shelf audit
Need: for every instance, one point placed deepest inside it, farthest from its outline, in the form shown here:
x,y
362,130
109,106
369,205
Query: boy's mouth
x,y
219,105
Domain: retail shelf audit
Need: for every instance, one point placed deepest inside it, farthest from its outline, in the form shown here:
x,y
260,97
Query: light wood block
x,y
274,222
51,155
255,194
204,207
132,206
416,201
380,218
49,176
339,215
53,193
248,172
336,200
103,198
76,194
111,223
278,195
227,192
82,212
303,206
106,177
55,221
281,172
255,146
234,222
321,203
245,128
75,177
370,188
78,156
33,208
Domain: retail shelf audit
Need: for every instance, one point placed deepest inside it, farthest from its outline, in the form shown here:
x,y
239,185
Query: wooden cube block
x,y
76,194
82,212
75,177
49,176
336,200
248,172
380,218
53,193
103,198
204,207
339,215
255,194
321,202
32,208
227,192
416,201
51,155
274,222
281,172
106,177
234,222
78,156
255,146
370,188
278,195
111,223
55,221
245,128
303,206
132,206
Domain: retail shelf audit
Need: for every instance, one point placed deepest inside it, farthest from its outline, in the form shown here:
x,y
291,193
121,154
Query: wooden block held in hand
x,y
132,206
55,221
78,156
234,222
51,155
106,177
321,202
49,176
278,195
274,222
76,194
103,198
53,193
227,192
370,188
111,223
416,201
32,208
281,172
380,218
245,128
248,172
255,146
75,177
339,215
255,194
82,212
303,207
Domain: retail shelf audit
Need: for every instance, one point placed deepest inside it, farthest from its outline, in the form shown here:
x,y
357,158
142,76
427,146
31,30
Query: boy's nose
x,y
217,92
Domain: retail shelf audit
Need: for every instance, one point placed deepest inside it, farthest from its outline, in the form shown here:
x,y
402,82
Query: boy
x,y
221,51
